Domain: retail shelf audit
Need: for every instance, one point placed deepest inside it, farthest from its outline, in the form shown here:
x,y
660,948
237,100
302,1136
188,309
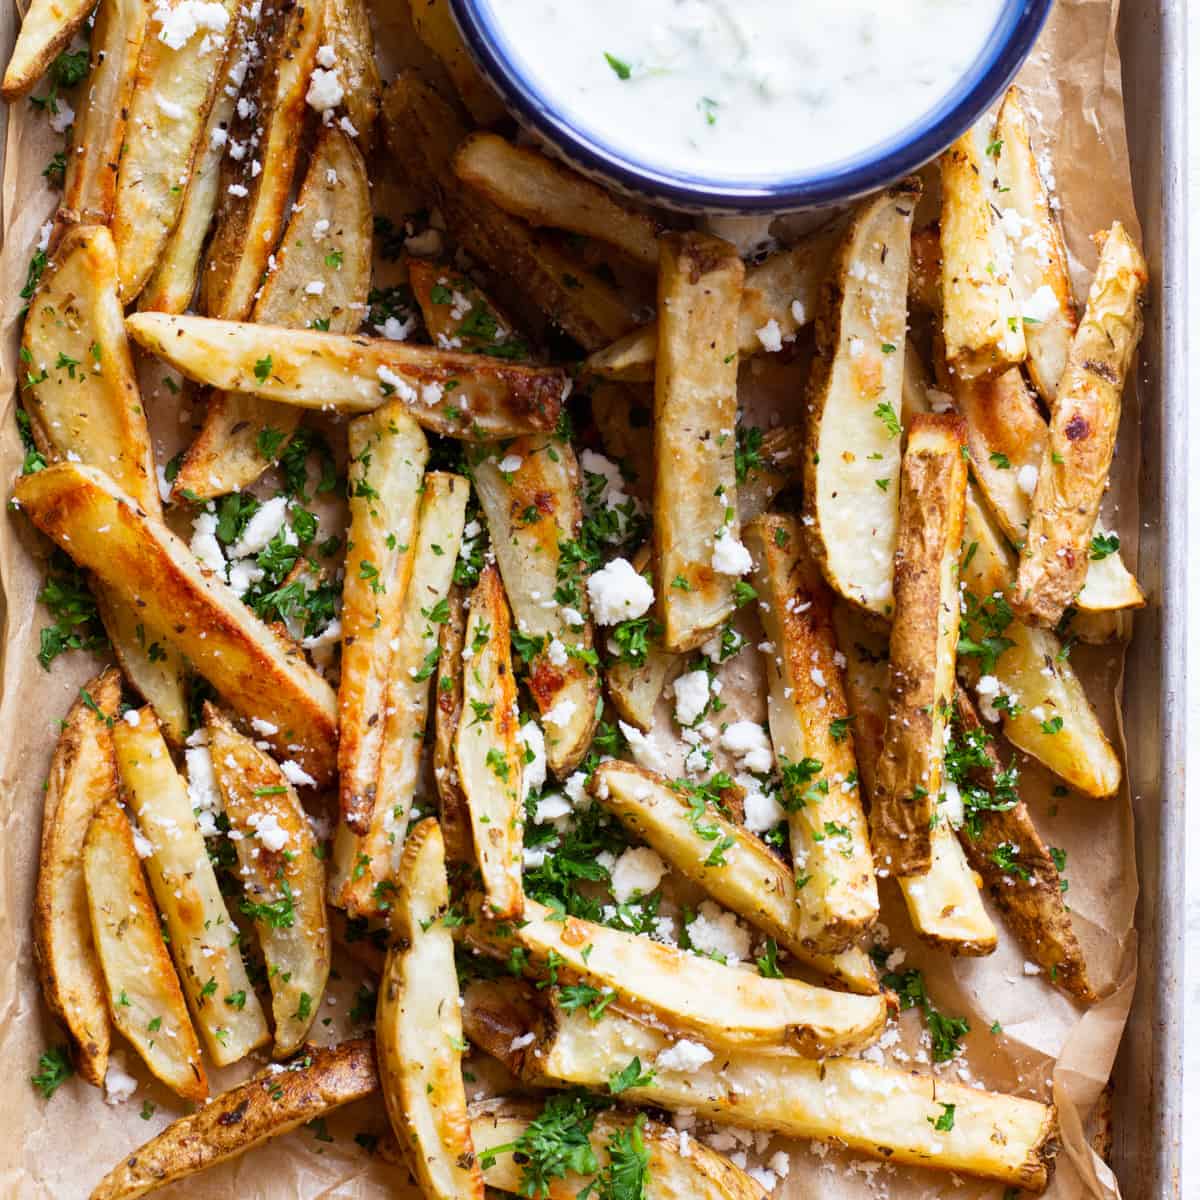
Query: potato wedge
x,y
1006,1138
147,567
1041,272
418,1029
781,289
143,991
1028,892
852,451
1083,432
487,749
388,453
695,409
925,270
47,28
174,90
683,992
365,867
453,813
458,314
436,27
813,741
675,1167
83,777
90,180
267,1105
348,31
981,318
321,280
924,642
458,395
255,189
542,191
733,866
283,879
1050,716
204,941
532,509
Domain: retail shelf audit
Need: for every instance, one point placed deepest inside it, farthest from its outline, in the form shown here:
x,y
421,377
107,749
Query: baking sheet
x,y
1049,1044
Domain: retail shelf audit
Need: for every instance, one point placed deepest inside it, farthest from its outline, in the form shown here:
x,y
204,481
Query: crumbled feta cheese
x,y
760,808
261,528
133,717
296,775
781,1163
638,870
142,844
326,56
180,22
1027,479
748,742
618,593
400,387
729,556
645,753
201,779
236,189
556,652
535,769
769,337
691,696
560,714
686,1056
1042,305
395,329
315,288
799,315
244,574
320,229
572,616
510,463
551,807
266,728
325,90
268,830
714,931
119,1085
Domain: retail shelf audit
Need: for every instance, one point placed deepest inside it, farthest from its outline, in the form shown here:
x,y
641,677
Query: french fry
x,y
47,28
733,866
419,1028
326,247
388,452
453,812
458,395
675,990
458,314
149,569
542,191
348,31
532,510
1083,432
365,867
925,270
981,319
143,991
83,777
168,110
267,1105
254,190
487,749
695,410
283,879
204,941
90,179
875,1110
924,643
436,27
807,713
852,451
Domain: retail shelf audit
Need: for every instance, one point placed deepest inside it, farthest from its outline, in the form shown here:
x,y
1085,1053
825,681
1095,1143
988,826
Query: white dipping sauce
x,y
744,89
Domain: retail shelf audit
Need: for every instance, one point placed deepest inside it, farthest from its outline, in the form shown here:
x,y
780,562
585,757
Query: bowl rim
x,y
1016,31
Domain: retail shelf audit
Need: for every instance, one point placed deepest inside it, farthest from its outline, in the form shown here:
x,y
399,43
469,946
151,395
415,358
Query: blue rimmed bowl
x,y
1010,42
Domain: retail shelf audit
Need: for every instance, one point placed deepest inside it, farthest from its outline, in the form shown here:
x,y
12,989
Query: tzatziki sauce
x,y
743,90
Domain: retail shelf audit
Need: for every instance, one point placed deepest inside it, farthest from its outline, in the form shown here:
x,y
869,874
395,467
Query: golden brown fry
x,y
695,409
265,1106
47,28
459,315
419,1028
152,570
453,812
283,879
83,776
436,27
348,31
925,270
143,991
1083,432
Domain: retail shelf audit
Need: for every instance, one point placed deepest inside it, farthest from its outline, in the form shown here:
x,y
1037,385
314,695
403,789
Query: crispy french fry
x,y
143,991
453,812
924,642
806,709
981,319
348,31
83,777
47,28
532,510
168,110
419,1028
388,452
436,27
487,748
782,289
460,316
542,191
875,1110
852,451
204,941
321,280
255,189
925,270
365,867
90,180
458,395
695,410
283,878
267,1105
148,568
1083,432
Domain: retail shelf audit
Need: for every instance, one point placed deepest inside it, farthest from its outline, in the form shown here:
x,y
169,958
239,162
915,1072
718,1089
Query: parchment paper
x,y
1049,1047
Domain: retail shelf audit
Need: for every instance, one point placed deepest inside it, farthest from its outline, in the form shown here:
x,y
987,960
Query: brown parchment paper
x,y
1049,1046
